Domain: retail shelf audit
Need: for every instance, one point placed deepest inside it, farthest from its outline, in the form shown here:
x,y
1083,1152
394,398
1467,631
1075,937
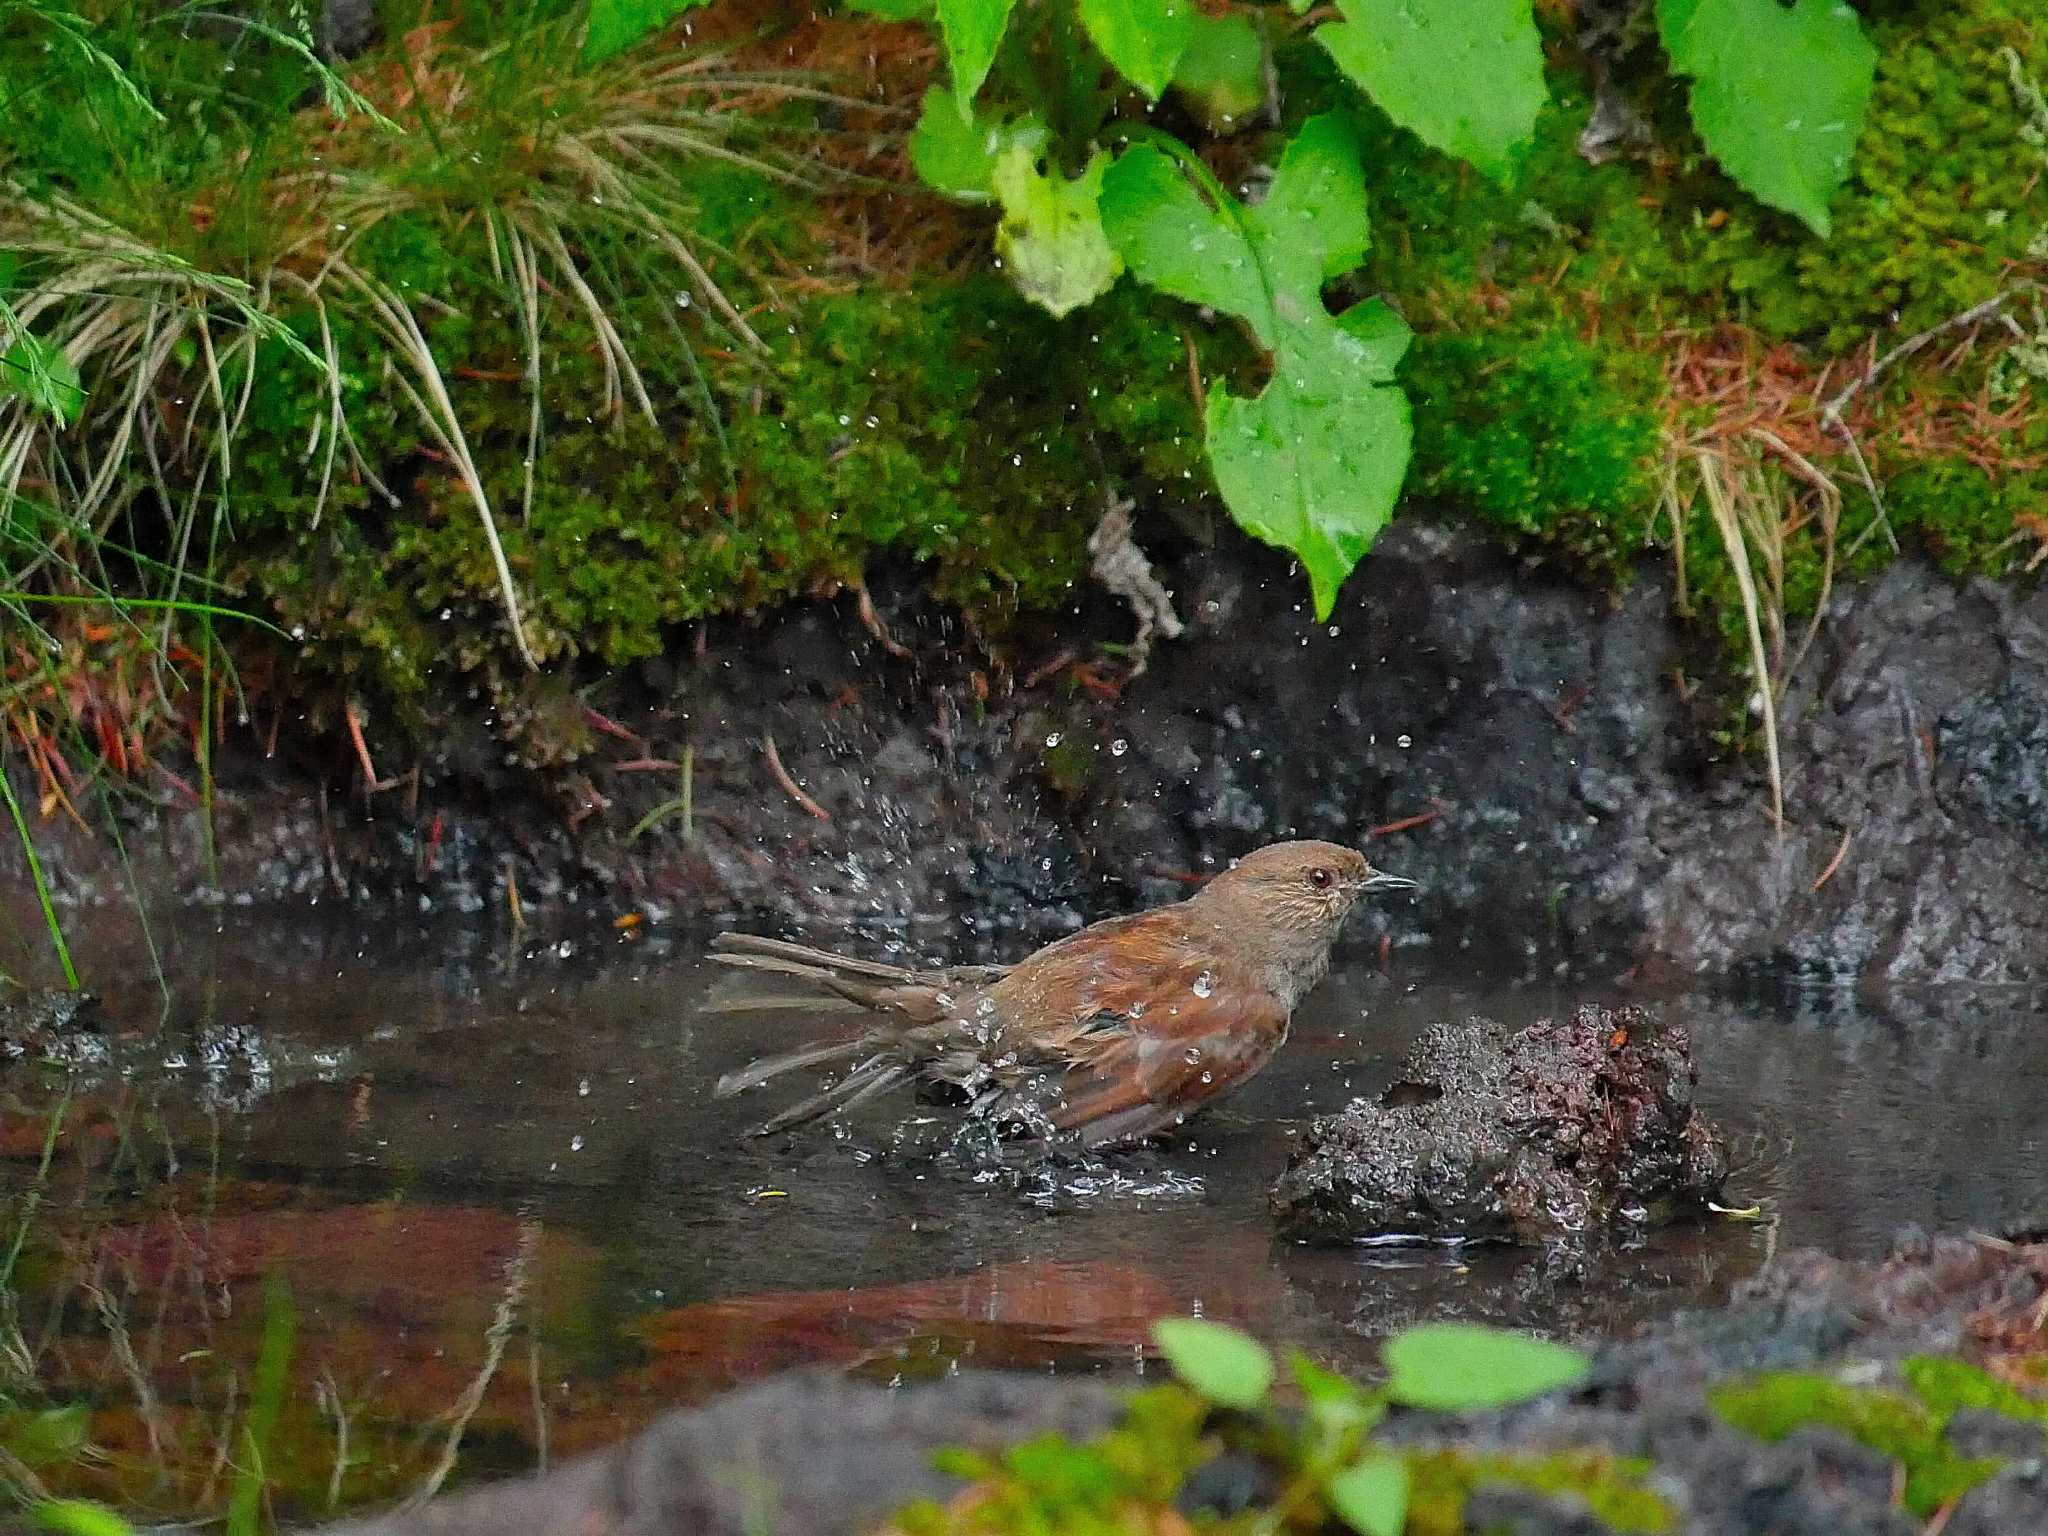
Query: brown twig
x,y
864,604
611,727
1567,705
1045,669
789,785
1409,823
371,782
646,765
1832,411
1841,852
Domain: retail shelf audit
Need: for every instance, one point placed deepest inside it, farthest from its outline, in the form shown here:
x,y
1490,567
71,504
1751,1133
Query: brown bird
x,y
1114,1033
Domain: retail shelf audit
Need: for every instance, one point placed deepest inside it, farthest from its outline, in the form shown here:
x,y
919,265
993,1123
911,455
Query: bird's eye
x,y
1320,879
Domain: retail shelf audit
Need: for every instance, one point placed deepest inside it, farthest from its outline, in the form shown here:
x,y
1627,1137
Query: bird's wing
x,y
1140,1076
1166,1031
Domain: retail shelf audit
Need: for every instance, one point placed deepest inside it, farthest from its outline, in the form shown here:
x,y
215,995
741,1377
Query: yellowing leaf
x,y
1051,237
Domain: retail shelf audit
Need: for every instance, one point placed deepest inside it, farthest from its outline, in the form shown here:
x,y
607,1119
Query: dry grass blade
x,y
437,414
1721,502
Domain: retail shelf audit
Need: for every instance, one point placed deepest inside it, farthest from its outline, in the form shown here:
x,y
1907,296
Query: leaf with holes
x,y
1315,462
1465,76
1051,235
1778,94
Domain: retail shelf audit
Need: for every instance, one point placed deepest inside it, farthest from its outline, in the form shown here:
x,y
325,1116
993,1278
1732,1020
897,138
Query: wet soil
x,y
1531,751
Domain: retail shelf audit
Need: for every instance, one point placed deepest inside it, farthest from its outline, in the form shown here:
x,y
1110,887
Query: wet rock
x,y
801,1455
812,1455
50,1024
1526,1136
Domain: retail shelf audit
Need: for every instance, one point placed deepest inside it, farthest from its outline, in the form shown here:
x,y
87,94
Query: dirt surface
x,y
825,1456
1518,744
1560,1131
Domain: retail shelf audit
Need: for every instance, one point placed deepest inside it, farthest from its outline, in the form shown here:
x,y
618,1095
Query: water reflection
x,y
503,1199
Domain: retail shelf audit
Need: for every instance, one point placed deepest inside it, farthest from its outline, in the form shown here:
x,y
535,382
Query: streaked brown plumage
x,y
1114,1033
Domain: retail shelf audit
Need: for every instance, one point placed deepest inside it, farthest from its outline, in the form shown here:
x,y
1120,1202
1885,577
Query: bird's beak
x,y
1383,882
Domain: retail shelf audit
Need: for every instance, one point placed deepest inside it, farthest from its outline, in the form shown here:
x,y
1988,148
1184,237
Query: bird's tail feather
x,y
755,952
875,1076
787,1061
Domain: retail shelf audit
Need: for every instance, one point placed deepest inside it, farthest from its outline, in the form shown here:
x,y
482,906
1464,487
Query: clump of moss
x,y
1612,1488
1965,516
952,424
1943,200
1772,1406
1547,435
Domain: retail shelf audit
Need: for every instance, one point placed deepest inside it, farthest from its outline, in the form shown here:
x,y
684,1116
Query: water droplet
x,y
1119,747
1404,740
682,301
583,1089
575,1143
1053,739
1205,984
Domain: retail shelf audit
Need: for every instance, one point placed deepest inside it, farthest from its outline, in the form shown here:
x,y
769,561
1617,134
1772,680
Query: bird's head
x,y
1307,888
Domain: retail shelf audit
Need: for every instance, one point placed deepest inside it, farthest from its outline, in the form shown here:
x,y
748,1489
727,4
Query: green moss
x,y
1944,194
1964,516
1773,1406
1547,435
953,425
1111,1486
1611,1488
1946,1384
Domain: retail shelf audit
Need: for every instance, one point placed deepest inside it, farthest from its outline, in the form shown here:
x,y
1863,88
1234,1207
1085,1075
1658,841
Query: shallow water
x,y
402,1141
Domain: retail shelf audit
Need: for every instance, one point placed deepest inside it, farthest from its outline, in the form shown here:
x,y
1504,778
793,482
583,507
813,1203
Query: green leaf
x,y
1372,1497
1778,95
616,25
973,29
1335,1403
1051,237
51,1434
1313,464
1222,71
42,375
892,10
1144,39
1452,1367
75,1517
1222,1364
955,152
1466,76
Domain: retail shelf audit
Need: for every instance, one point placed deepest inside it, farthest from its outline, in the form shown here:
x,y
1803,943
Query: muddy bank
x,y
1523,743
827,1456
